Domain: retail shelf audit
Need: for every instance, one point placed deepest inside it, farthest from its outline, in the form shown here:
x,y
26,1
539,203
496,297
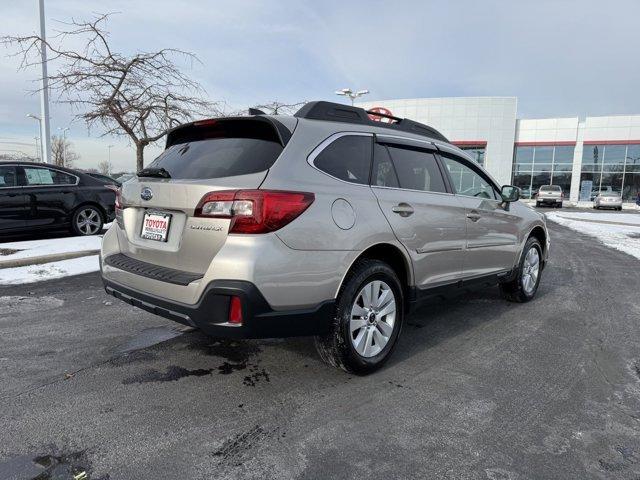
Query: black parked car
x,y
105,178
37,196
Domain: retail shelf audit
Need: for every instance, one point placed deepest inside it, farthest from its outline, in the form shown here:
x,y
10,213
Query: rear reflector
x,y
235,311
254,211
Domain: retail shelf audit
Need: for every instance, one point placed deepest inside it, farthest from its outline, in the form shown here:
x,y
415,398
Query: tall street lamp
x,y
44,92
64,145
35,117
347,92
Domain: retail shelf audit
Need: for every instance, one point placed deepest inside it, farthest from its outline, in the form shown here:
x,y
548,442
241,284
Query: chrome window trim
x,y
328,141
408,142
412,190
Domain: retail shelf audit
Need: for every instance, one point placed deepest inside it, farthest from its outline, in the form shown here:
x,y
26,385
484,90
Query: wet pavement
x,y
478,388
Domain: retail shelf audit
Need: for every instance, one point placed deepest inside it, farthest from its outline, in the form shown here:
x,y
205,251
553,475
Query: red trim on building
x,y
611,142
545,144
470,143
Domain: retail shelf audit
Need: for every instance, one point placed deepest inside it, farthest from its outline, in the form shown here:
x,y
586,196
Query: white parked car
x,y
608,199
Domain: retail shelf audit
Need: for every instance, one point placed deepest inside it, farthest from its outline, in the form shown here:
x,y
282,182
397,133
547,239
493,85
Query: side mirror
x,y
510,193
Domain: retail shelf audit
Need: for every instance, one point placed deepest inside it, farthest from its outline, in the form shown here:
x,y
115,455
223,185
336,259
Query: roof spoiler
x,y
338,112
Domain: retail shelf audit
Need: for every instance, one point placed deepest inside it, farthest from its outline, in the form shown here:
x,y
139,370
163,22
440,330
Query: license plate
x,y
155,226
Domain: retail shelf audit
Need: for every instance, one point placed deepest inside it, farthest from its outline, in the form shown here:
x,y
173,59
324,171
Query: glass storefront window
x,y
476,152
614,155
543,155
633,158
542,165
592,154
563,155
524,155
631,187
611,182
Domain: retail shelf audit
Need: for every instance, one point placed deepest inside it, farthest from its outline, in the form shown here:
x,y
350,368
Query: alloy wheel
x,y
373,316
530,270
88,221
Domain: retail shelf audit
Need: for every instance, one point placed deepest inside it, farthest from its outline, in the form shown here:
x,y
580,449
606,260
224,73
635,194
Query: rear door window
x,y
47,176
347,158
417,170
221,149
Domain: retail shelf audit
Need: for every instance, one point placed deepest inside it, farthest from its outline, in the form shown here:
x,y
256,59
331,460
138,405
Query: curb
x,y
54,257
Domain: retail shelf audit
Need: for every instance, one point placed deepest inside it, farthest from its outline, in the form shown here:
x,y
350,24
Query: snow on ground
x,y
616,230
49,271
36,248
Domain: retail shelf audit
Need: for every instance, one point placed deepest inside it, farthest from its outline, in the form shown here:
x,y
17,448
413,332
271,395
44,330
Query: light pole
x,y
44,92
64,145
110,147
35,117
347,92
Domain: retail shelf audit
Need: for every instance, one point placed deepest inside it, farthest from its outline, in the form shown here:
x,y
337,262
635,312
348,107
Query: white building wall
x,y
466,119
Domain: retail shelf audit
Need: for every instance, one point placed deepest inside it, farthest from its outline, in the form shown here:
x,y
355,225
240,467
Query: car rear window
x,y
216,149
550,188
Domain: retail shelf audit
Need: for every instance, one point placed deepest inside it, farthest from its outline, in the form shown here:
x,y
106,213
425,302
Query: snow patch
x,y
49,271
620,231
36,248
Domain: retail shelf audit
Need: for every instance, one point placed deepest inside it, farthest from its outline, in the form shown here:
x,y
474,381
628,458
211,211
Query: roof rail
x,y
338,112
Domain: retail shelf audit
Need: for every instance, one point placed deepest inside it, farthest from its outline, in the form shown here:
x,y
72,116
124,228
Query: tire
x,y
87,220
515,290
338,346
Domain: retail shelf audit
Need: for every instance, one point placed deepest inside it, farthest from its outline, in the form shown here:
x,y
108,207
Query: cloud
x,y
560,58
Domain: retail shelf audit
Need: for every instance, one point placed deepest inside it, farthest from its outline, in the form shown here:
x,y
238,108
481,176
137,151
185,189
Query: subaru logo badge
x,y
146,193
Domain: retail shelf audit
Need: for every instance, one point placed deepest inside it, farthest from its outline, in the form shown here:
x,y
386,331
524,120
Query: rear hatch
x,y
157,216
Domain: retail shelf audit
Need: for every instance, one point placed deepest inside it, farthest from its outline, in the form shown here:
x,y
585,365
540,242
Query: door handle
x,y
403,209
474,216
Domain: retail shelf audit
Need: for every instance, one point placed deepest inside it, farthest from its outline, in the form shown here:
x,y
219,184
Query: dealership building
x,y
582,155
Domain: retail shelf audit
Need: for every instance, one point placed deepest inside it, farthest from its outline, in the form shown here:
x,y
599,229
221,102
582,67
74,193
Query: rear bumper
x,y
210,313
549,200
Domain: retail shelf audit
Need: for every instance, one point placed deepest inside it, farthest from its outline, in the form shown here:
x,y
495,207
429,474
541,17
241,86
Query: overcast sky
x,y
560,58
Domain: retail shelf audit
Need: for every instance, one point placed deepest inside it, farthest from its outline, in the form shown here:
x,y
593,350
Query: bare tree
x,y
62,152
280,108
140,96
104,167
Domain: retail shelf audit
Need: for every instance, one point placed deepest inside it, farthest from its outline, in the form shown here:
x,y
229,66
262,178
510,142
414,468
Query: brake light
x,y
118,191
235,311
254,211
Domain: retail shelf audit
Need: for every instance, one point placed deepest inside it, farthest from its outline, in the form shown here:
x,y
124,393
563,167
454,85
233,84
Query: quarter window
x,y
46,176
466,181
8,177
347,158
417,170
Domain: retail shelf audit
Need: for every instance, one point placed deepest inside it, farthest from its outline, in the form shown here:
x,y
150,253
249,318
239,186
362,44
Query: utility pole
x,y
44,93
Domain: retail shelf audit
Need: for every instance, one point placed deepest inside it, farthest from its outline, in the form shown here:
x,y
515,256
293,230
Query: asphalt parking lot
x,y
478,388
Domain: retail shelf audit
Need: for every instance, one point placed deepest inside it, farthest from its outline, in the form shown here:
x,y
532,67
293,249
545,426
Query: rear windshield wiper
x,y
154,172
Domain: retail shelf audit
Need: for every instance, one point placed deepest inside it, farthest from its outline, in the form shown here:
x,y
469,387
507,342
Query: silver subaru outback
x,y
325,223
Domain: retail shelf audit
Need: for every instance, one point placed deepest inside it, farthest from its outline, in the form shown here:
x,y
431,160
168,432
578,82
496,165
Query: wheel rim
x,y
88,221
530,270
373,317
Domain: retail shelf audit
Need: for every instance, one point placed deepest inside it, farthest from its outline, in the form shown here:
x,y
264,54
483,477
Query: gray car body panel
x,y
305,262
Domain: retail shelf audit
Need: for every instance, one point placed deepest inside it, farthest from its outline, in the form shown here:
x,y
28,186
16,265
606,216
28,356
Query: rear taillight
x,y
254,211
118,191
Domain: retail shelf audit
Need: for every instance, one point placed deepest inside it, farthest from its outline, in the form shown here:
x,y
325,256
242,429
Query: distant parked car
x,y
550,195
106,178
608,199
36,197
